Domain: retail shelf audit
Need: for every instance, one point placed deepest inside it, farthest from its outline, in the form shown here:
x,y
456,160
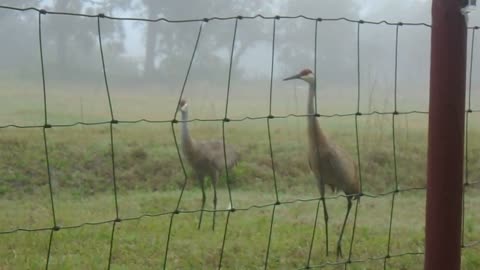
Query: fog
x,y
145,58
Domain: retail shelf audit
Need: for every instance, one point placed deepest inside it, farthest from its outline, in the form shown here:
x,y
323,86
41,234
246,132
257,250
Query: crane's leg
x,y
325,214
201,179
339,246
214,184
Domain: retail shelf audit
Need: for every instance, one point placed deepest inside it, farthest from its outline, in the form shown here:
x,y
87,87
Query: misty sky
x,y
373,10
369,10
294,42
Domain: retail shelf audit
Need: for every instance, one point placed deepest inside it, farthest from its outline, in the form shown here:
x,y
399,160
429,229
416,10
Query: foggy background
x,y
147,62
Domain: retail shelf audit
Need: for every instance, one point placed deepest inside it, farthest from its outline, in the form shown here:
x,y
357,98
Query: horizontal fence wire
x,y
263,117
179,211
55,227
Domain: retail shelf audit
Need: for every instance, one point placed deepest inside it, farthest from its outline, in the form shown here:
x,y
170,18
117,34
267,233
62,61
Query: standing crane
x,y
330,164
207,159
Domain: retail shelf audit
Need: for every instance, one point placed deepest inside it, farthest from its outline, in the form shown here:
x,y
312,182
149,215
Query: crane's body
x,y
330,164
207,159
332,167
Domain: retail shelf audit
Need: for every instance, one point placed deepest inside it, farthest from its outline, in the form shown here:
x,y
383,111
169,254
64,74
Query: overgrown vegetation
x,y
146,157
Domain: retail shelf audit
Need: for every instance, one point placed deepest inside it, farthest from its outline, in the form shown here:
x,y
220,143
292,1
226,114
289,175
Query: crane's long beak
x,y
292,77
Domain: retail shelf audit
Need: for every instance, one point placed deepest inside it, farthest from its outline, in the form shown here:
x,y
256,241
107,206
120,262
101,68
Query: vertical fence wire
x,y
226,119
315,51
55,227
467,118
177,147
357,115
112,145
270,116
394,150
314,230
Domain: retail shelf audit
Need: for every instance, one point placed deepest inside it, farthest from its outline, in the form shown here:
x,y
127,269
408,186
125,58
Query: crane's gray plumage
x,y
330,164
207,158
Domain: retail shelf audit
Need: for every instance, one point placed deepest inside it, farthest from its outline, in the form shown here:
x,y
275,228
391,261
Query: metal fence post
x,y
445,136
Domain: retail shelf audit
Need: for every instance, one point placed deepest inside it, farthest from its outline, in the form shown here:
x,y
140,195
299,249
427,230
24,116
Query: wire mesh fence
x,y
273,205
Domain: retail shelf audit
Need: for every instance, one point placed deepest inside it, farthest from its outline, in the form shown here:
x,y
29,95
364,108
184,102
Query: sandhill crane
x,y
207,159
330,164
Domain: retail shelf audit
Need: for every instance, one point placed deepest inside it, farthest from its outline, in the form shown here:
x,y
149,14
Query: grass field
x,y
149,177
140,244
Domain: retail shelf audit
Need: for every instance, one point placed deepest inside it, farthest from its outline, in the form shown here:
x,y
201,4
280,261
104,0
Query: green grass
x,y
141,243
149,177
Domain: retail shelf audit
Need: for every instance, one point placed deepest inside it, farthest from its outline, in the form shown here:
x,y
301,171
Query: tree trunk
x,y
151,40
61,36
237,53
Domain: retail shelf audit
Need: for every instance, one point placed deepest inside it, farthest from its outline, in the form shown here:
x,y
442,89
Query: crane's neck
x,y
316,136
186,139
311,100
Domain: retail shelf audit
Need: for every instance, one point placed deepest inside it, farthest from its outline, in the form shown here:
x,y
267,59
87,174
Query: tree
x,y
72,42
19,47
336,41
168,44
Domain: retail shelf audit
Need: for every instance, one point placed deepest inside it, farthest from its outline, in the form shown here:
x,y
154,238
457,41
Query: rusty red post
x,y
445,136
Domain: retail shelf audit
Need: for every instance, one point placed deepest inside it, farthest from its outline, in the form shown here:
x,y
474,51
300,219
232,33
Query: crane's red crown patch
x,y
305,72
